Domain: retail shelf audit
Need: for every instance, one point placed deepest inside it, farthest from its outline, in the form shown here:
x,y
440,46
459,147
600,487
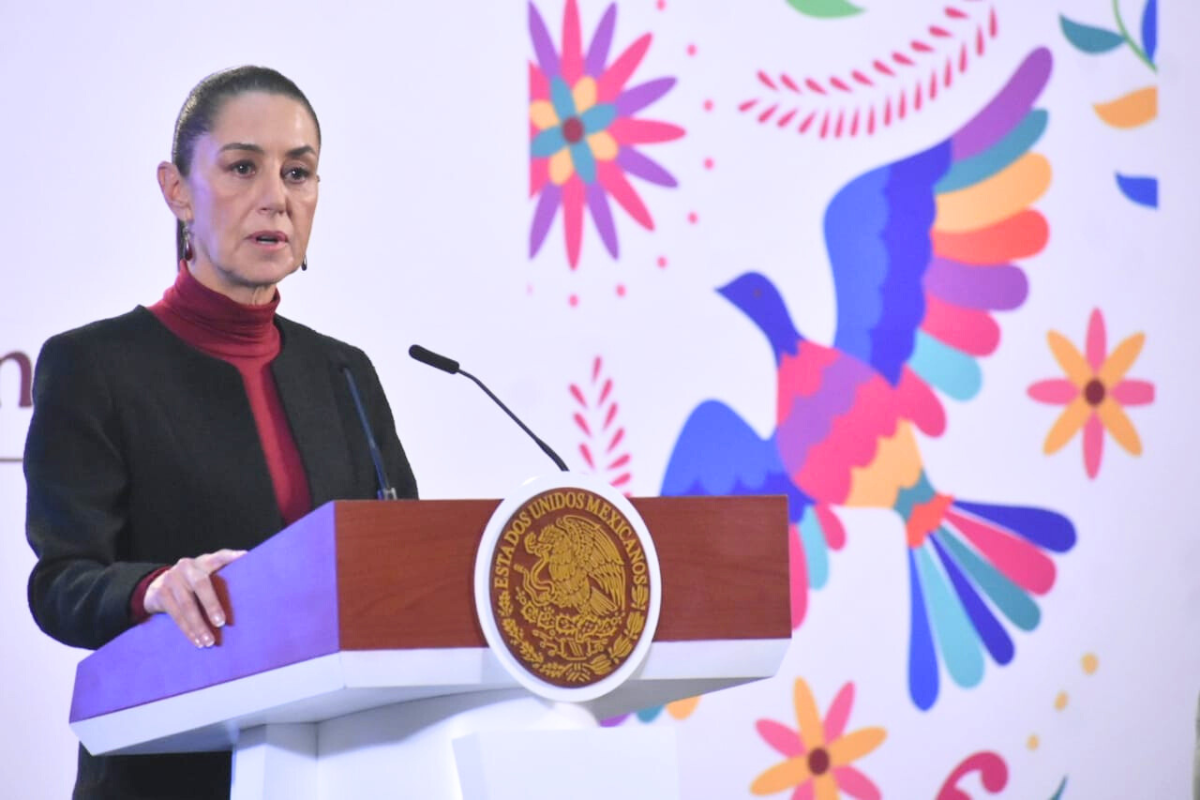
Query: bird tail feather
x,y
981,559
818,531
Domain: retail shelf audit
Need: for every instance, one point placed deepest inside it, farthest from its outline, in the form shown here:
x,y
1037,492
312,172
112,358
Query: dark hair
x,y
204,102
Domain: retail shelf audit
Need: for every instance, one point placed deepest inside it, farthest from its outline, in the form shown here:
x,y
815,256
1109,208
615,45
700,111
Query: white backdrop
x,y
422,236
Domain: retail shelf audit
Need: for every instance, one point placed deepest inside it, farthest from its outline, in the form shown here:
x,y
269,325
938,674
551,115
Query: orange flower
x,y
818,755
1095,393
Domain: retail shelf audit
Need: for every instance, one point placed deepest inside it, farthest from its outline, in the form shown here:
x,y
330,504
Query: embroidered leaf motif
x,y
1150,29
597,418
1132,110
825,9
1088,38
1139,189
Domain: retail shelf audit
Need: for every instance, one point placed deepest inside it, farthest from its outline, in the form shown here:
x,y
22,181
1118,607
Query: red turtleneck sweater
x,y
246,337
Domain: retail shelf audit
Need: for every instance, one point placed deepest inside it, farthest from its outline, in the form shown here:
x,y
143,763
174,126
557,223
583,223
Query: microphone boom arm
x,y
386,490
545,447
451,366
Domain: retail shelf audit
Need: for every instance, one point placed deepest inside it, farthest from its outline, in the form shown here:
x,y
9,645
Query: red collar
x,y
215,324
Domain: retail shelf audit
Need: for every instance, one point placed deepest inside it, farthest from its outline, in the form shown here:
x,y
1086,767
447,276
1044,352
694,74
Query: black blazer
x,y
143,450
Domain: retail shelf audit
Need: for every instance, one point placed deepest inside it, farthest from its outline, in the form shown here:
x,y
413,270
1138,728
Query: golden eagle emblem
x,y
578,568
570,587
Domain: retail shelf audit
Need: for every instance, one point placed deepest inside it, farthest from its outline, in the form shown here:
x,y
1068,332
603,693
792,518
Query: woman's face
x,y
253,193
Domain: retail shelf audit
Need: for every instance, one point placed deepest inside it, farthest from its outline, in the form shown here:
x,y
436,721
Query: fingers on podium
x,y
186,593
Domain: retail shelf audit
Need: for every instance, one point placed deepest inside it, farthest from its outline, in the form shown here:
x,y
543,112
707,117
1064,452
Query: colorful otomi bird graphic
x,y
921,253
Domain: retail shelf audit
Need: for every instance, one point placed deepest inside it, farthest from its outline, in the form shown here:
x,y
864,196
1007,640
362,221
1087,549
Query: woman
x,y
167,441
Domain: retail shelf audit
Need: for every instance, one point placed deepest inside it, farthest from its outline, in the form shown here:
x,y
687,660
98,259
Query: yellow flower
x,y
819,752
1095,393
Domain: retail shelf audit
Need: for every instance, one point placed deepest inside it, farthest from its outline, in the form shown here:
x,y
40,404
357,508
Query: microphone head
x,y
433,359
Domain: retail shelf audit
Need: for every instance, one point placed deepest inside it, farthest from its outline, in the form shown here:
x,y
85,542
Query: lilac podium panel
x,y
286,611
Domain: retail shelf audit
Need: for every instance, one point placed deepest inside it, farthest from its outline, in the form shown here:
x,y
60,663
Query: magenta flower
x,y
583,132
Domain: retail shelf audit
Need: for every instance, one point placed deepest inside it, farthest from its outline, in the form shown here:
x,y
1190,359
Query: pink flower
x,y
817,757
584,137
1095,393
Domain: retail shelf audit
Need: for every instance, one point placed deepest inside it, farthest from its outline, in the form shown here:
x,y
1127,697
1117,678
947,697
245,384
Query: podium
x,y
353,657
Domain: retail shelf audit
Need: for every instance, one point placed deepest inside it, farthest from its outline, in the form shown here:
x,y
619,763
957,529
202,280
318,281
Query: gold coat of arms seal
x,y
571,576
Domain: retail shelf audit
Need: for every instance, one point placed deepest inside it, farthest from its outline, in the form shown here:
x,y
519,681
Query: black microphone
x,y
386,490
451,366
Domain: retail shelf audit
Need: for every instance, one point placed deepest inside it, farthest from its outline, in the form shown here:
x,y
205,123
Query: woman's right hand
x,y
185,591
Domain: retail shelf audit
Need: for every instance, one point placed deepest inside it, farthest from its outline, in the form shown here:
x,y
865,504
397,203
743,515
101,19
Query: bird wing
x,y
718,453
610,579
602,562
921,249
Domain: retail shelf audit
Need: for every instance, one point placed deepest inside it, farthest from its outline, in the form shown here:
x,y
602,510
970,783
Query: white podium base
x,y
488,746
636,763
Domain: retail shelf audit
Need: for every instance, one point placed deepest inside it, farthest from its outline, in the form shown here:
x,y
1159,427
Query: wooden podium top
x,y
369,576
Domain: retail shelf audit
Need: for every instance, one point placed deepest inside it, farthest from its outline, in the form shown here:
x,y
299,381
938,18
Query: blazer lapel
x,y
304,376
